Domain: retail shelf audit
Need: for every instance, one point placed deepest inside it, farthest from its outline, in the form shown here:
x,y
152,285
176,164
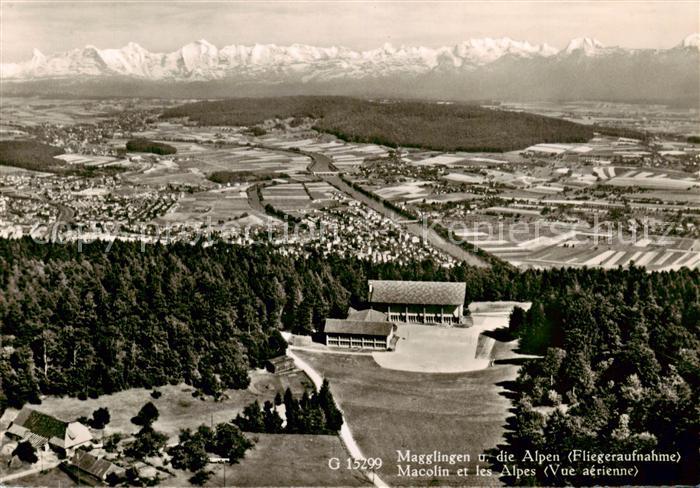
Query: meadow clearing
x,y
177,407
389,410
282,460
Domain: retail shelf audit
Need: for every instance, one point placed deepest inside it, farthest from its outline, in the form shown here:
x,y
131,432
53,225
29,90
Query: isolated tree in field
x,y
25,452
230,442
148,442
146,416
100,418
200,477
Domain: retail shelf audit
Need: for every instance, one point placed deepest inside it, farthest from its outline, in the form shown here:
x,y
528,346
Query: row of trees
x,y
312,414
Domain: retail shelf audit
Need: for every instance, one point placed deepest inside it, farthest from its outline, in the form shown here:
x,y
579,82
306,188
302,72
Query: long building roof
x,y
417,292
40,423
358,327
99,468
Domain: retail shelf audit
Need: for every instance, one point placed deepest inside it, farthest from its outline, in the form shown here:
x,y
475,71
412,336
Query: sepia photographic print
x,y
349,243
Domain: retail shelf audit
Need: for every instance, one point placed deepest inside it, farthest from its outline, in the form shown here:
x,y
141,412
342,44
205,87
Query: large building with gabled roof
x,y
42,430
423,302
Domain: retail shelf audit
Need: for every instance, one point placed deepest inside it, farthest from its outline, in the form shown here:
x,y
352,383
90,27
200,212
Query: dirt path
x,y
345,433
29,472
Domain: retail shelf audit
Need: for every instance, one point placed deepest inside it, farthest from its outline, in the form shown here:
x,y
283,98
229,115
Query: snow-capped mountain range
x,y
202,61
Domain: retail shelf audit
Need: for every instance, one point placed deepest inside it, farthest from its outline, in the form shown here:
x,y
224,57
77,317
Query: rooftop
x,y
359,327
41,424
91,465
417,292
367,315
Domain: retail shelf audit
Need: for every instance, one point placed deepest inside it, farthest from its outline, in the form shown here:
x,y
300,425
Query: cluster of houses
x,y
354,230
69,440
394,302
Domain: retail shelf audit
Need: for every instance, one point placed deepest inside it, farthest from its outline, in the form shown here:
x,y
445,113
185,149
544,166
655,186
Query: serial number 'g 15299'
x,y
367,464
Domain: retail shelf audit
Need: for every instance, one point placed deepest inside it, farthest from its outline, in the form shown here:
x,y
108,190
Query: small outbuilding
x,y
88,468
281,364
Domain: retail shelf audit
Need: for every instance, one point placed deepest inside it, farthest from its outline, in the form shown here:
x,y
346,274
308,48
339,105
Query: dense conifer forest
x,y
620,365
31,155
146,145
444,127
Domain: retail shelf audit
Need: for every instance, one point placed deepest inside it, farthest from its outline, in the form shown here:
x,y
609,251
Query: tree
x,y
252,418
517,319
100,418
333,417
190,453
148,442
25,452
200,477
209,382
230,442
146,416
271,419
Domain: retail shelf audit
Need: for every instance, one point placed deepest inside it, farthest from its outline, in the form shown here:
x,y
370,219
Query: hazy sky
x,y
167,25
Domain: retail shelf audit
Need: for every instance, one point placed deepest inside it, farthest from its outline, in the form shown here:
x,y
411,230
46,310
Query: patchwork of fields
x,y
580,248
346,156
298,199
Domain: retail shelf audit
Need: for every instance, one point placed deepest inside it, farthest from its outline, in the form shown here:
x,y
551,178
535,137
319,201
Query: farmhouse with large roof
x,y
42,430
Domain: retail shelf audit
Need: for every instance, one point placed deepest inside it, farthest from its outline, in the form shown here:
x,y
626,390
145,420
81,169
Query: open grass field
x,y
389,410
53,478
247,159
282,460
177,407
407,191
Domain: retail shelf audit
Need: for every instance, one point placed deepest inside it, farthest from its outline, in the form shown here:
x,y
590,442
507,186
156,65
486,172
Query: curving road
x,y
345,433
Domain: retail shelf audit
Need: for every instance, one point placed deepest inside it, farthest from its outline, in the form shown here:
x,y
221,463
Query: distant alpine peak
x,y
202,60
586,44
692,41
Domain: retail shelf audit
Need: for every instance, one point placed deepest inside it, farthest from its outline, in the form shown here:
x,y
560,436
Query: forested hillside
x,y
31,155
148,146
620,369
96,321
446,127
